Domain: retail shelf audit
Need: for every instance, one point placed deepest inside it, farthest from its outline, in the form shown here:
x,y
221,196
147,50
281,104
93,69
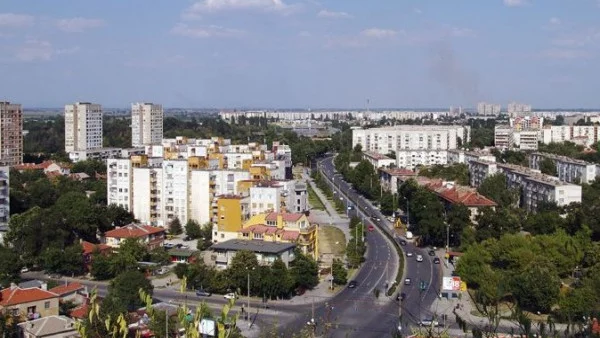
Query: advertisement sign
x,y
451,284
207,327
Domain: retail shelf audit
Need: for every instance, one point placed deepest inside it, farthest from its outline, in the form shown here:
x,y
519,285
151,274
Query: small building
x,y
182,255
71,292
390,178
29,304
152,237
378,160
89,249
49,327
266,252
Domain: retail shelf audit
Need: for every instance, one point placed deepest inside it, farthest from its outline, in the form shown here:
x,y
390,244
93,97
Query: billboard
x,y
207,327
451,284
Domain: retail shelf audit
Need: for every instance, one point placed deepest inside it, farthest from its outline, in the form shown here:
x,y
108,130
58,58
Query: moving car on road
x,y
352,284
230,295
407,281
419,258
203,293
436,260
409,254
400,297
429,322
371,228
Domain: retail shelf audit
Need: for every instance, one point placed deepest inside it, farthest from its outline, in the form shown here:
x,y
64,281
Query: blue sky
x,y
301,53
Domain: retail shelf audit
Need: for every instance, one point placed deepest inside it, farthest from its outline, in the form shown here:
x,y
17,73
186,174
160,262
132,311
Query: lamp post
x,y
248,307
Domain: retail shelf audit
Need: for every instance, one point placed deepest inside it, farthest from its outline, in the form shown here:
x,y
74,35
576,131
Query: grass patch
x,y
332,240
314,200
400,271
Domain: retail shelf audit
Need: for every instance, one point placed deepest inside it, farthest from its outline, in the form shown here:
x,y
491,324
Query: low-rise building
x,y
567,169
75,293
411,159
49,327
151,237
28,304
182,255
390,178
454,194
464,156
266,252
378,160
534,186
89,249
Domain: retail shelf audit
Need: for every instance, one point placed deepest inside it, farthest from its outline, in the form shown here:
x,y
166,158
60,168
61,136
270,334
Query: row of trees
x,y
458,173
356,247
269,282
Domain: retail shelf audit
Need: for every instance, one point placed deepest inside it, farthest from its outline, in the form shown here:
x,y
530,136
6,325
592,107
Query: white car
x,y
419,258
24,269
409,254
230,295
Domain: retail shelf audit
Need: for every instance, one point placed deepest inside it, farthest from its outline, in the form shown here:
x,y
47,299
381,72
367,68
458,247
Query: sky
x,y
301,53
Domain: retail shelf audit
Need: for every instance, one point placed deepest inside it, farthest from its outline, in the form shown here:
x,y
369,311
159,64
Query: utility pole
x,y
249,298
167,323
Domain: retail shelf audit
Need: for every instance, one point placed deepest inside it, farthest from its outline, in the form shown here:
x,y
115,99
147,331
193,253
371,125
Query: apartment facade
x,y
484,108
146,124
11,134
266,252
410,137
411,159
230,212
534,187
83,126
462,156
378,160
567,169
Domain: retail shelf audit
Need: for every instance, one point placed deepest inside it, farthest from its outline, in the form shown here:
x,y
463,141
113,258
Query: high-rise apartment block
x,y
83,127
11,134
516,108
146,124
4,196
484,108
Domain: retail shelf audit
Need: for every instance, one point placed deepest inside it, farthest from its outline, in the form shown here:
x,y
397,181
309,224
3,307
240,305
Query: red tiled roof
x,y
289,235
89,248
80,312
398,171
287,217
39,166
459,194
17,295
66,289
133,231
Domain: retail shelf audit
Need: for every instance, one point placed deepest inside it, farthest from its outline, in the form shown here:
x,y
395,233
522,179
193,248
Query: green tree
x,y
548,167
494,187
120,288
282,279
304,271
181,270
192,229
537,287
339,272
175,227
133,248
243,263
458,219
205,239
10,266
101,268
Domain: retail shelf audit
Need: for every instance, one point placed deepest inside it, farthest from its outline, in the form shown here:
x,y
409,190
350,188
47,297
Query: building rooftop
x,y
253,245
89,248
457,194
133,231
287,216
376,156
398,171
563,158
50,326
66,289
15,295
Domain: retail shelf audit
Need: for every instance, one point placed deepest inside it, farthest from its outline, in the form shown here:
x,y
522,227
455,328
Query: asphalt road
x,y
417,303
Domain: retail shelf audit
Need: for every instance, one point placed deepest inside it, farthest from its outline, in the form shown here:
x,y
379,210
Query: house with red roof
x,y
28,303
71,292
452,194
48,167
390,178
151,236
89,249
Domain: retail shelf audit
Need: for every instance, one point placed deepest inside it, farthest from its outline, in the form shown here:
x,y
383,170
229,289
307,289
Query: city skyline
x,y
301,53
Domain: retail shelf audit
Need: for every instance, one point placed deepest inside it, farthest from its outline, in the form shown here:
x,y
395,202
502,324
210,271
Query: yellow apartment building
x,y
229,214
283,227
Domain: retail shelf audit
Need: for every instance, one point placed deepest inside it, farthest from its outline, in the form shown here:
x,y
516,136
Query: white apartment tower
x,y
11,134
83,126
146,124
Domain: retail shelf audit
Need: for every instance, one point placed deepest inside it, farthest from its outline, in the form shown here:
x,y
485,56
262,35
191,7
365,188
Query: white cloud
x,y
205,32
333,15
15,20
78,25
39,50
566,54
514,3
378,33
211,6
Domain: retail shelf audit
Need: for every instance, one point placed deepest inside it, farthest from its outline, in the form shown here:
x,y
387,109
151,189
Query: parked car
x,y
419,258
352,284
407,281
163,270
431,253
402,242
168,246
230,295
371,228
409,254
55,276
24,269
203,293
429,322
436,260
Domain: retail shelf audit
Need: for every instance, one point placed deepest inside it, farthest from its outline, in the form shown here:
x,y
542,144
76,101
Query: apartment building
x,y
515,108
151,237
464,156
11,134
484,108
411,159
582,135
230,212
146,124
119,176
83,126
526,123
410,138
534,187
4,197
567,169
526,139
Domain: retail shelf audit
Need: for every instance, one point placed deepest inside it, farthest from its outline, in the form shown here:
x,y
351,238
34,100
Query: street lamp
x,y
249,269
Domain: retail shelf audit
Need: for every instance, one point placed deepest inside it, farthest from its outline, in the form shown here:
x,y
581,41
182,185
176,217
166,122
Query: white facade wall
x,y
200,197
461,156
175,191
412,158
410,137
83,126
119,180
567,169
263,199
226,180
526,139
142,187
146,124
503,137
235,160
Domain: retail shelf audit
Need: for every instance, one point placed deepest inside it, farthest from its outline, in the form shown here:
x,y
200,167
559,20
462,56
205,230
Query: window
x,y
46,305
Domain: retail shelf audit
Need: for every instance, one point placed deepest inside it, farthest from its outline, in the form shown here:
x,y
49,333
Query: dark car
x,y
187,238
436,261
402,242
400,297
431,253
352,284
203,293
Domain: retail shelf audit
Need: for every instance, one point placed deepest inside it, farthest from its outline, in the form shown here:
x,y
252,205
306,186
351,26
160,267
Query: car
x,y
429,322
230,295
409,254
407,281
24,269
400,297
163,270
352,284
431,253
203,293
419,258
436,260
402,242
168,246
371,228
